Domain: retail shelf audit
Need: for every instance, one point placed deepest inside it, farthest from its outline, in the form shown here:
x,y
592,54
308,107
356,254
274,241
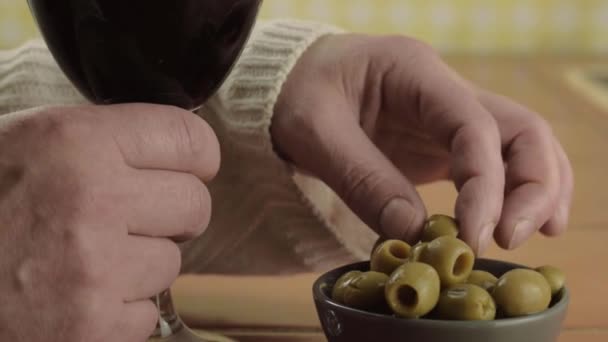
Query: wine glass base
x,y
186,335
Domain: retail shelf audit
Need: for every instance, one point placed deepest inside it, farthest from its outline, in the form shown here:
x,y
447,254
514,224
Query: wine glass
x,y
172,52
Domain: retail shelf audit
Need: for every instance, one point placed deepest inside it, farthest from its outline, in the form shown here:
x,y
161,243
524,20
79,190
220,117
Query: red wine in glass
x,y
172,52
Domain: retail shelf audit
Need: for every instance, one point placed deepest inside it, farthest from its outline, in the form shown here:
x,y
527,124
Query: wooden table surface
x,y
281,309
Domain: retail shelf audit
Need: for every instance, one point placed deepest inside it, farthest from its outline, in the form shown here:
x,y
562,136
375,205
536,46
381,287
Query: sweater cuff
x,y
249,95
253,87
261,207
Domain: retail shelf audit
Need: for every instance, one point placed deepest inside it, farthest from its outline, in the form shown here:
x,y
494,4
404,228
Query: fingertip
x,y
510,236
554,227
478,239
558,223
138,320
485,237
478,208
501,238
401,219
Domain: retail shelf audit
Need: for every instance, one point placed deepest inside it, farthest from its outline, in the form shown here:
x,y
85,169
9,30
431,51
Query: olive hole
x,y
408,296
398,251
461,265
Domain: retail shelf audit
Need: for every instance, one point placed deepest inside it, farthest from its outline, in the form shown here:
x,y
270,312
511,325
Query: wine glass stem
x,y
168,320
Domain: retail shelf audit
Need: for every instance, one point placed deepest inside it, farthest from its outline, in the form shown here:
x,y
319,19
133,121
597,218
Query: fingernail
x,y
485,236
522,230
396,218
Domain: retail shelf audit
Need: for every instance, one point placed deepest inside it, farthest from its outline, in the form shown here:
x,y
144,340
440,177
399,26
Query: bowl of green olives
x,y
437,290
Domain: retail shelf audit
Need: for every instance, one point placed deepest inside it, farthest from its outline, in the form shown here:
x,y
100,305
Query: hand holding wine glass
x,y
165,52
97,197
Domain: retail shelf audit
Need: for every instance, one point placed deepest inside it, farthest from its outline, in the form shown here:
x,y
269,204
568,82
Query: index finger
x,y
450,112
164,138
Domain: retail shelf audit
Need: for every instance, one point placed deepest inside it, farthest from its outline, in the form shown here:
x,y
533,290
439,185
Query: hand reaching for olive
x,y
375,116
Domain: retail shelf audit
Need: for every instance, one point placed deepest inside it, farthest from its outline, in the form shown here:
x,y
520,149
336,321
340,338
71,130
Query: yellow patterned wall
x,y
457,26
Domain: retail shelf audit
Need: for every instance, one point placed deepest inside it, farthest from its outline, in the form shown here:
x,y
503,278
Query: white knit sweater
x,y
266,217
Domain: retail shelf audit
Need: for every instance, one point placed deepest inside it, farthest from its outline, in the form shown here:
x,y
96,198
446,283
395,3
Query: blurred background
x,y
455,27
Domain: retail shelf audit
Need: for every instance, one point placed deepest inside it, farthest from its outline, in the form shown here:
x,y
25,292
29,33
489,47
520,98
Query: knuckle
x,y
148,320
399,50
167,263
86,274
187,138
541,127
198,140
64,125
359,182
174,259
482,129
84,267
87,320
410,45
421,48
484,119
199,204
475,134
71,202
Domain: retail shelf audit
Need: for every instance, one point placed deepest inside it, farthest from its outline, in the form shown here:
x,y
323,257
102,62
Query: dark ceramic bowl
x,y
344,324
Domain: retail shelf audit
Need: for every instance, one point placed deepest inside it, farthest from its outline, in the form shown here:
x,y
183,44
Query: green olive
x,y
412,290
337,293
452,258
483,279
521,292
466,302
376,244
554,276
366,290
389,255
439,225
416,250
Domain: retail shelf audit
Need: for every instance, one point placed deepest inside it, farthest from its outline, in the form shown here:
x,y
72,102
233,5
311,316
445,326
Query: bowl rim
x,y
555,309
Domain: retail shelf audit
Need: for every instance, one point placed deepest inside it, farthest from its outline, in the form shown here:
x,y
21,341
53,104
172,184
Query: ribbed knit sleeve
x,y
30,77
266,218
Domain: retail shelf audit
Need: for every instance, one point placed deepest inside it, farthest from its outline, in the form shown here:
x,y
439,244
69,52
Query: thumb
x,y
343,156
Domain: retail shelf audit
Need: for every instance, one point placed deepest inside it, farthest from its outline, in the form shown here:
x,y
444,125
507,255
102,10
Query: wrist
x,y
291,123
